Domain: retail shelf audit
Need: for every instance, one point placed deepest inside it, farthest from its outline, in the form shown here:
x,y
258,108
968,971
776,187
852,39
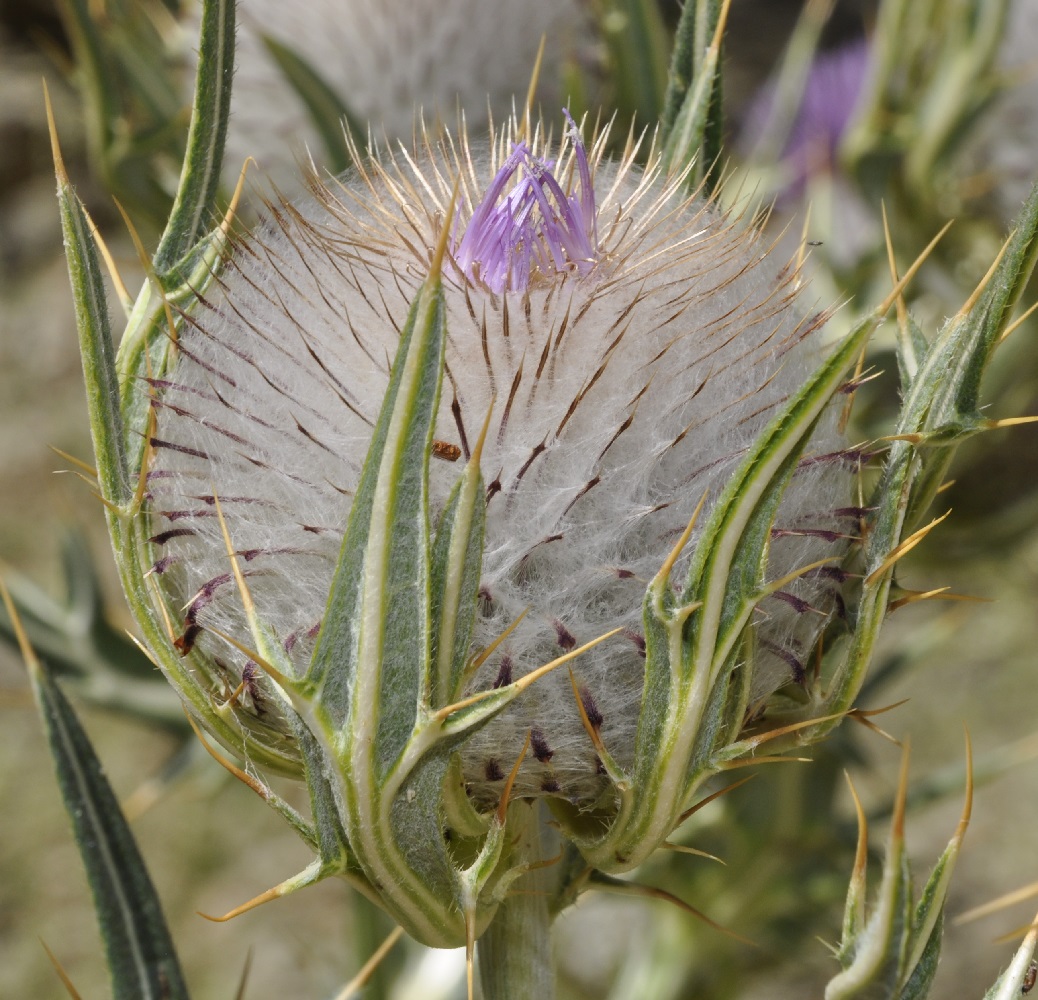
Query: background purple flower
x,y
834,84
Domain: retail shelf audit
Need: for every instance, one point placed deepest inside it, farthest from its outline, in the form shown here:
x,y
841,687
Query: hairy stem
x,y
514,954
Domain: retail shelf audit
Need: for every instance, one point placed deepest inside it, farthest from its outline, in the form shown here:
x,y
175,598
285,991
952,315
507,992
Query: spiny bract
x,y
628,342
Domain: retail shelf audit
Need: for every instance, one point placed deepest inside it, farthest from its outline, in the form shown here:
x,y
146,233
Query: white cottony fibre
x,y
620,398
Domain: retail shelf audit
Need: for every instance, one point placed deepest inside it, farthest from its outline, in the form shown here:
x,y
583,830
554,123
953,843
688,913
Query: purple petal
x,y
534,227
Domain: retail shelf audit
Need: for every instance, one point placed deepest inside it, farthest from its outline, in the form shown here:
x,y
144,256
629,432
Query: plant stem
x,y
514,953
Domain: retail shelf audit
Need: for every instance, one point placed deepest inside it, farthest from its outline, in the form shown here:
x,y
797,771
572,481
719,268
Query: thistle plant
x,y
501,480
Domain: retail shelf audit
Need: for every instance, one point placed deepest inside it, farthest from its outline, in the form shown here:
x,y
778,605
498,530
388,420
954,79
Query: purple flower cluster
x,y
534,227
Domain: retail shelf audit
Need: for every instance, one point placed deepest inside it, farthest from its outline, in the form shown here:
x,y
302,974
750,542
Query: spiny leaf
x,y
366,634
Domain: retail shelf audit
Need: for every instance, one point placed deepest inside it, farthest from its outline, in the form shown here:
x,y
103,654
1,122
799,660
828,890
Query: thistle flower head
x,y
469,414
628,343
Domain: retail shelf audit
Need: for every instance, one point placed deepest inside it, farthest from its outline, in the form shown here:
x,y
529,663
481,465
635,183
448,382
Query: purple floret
x,y
534,227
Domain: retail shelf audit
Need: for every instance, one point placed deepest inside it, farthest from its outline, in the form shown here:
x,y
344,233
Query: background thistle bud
x,y
628,342
383,65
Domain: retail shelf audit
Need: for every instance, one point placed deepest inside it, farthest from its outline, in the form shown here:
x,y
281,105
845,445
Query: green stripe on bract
x,y
95,345
373,652
457,565
200,174
373,648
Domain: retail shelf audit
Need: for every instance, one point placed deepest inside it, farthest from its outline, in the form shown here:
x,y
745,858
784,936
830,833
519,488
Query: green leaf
x,y
877,953
963,349
328,111
921,976
200,174
941,409
141,957
687,42
945,392
78,642
725,572
692,636
328,835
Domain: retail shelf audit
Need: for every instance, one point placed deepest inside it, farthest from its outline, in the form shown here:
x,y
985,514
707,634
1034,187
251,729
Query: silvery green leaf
x,y
921,977
141,957
694,631
368,672
373,649
893,950
940,410
95,343
945,397
873,957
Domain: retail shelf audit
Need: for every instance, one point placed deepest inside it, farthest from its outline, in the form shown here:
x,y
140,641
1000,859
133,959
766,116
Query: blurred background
x,y
823,108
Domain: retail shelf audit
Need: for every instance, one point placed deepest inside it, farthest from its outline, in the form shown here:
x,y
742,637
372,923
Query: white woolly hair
x,y
622,398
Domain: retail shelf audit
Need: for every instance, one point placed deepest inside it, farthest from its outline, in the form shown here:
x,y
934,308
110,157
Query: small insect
x,y
1030,978
446,451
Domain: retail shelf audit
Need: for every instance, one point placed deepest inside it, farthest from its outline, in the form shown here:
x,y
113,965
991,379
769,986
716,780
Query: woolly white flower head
x,y
628,342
